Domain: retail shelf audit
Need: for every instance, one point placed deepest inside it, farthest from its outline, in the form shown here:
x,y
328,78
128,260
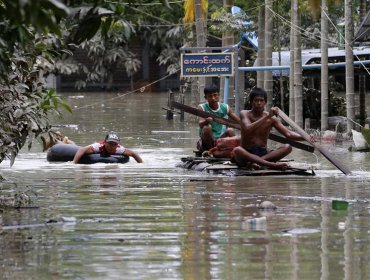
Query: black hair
x,y
212,88
257,92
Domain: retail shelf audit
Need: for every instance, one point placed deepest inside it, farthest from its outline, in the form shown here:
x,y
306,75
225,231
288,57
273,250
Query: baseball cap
x,y
112,137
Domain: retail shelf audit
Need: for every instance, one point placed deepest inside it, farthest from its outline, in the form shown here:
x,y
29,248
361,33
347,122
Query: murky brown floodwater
x,y
155,221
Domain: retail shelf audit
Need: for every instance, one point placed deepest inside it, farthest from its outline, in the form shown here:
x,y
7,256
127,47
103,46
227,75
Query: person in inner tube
x,y
56,139
110,146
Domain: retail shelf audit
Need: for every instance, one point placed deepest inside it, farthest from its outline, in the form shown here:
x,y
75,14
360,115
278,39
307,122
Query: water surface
x,y
156,221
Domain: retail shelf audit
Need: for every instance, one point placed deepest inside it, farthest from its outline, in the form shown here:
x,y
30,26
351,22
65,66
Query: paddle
x,y
233,124
307,137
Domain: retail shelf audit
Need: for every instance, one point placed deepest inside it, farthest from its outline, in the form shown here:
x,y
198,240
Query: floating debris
x,y
339,204
259,224
301,231
267,205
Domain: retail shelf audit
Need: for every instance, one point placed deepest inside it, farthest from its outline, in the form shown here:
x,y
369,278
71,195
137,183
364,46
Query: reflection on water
x,y
155,221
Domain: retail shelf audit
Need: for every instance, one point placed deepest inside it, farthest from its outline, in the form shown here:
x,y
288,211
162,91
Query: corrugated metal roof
x,y
309,55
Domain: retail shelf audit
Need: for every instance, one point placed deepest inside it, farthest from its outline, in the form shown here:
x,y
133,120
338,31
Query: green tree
x,y
119,30
104,35
29,47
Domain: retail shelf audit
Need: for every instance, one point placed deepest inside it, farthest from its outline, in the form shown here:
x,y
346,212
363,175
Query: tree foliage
x,y
163,30
29,48
34,44
120,29
109,48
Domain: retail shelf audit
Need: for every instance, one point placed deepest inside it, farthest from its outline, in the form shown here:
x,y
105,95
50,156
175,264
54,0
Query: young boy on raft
x,y
210,131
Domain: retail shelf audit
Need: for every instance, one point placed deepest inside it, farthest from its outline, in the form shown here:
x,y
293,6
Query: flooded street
x,y
156,221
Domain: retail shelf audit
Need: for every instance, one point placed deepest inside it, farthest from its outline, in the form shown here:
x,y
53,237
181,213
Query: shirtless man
x,y
256,125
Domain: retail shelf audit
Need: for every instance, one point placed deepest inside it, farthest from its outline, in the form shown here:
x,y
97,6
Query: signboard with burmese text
x,y
207,64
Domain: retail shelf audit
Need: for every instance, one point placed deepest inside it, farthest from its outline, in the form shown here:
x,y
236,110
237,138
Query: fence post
x,y
170,98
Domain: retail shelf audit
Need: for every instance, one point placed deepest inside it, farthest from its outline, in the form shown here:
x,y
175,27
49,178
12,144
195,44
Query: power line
x,y
120,95
346,43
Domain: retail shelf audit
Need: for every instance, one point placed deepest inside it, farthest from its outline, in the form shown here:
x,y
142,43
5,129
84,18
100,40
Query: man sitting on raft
x,y
256,125
110,146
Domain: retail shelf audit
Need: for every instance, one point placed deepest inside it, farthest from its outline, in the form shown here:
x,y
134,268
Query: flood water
x,y
156,221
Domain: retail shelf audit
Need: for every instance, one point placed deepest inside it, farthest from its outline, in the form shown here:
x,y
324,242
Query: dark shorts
x,y
203,148
258,151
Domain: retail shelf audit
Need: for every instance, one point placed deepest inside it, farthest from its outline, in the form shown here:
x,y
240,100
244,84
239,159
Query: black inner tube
x,y
66,152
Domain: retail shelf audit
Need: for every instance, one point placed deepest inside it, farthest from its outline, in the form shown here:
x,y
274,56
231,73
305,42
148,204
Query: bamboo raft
x,y
223,166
